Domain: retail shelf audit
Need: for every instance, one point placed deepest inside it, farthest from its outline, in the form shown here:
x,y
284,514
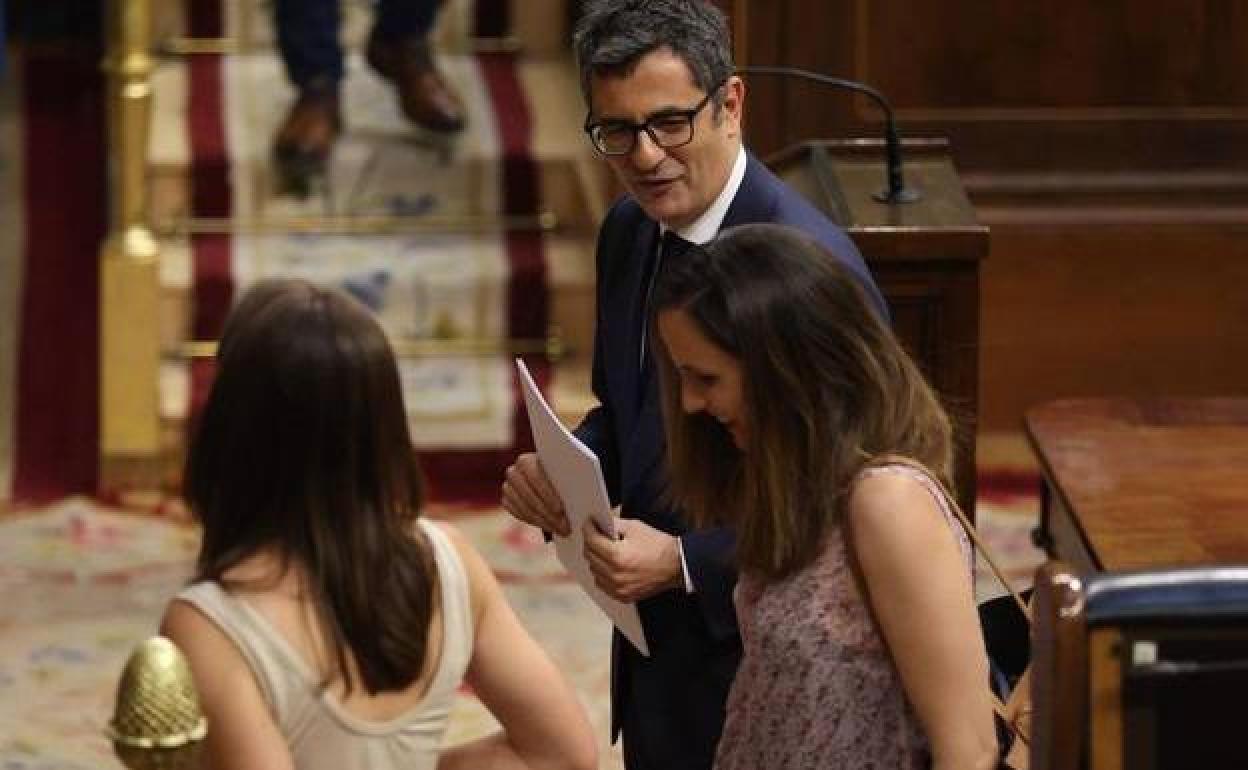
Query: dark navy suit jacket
x,y
672,704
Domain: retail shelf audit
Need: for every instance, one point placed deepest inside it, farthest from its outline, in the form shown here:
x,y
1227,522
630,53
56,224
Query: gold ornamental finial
x,y
157,724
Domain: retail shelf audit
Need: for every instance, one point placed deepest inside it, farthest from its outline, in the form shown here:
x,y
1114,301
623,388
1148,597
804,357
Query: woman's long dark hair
x,y
828,390
303,449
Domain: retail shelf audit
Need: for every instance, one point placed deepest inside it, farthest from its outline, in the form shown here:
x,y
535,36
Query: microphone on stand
x,y
157,724
896,191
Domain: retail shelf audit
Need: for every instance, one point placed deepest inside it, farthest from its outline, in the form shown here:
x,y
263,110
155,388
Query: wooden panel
x,y
1105,699
1085,310
1149,482
1112,53
1059,677
917,320
933,306
1115,86
1106,145
1061,531
930,302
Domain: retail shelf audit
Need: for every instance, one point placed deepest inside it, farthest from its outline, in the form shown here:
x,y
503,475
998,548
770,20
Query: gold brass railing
x,y
550,347
198,46
356,224
129,278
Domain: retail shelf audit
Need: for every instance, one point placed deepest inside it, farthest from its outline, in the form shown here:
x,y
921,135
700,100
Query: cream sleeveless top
x,y
318,730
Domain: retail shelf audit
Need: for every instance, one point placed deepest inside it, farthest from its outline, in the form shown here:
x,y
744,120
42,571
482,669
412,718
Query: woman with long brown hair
x,y
329,625
794,416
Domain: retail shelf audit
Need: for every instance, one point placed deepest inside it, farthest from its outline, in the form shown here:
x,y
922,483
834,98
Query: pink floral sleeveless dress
x,y
816,687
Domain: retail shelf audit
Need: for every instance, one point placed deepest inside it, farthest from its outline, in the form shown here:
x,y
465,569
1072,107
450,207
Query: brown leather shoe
x,y
306,137
425,96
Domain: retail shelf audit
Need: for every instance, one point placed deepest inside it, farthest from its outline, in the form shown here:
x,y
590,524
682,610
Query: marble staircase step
x,y
569,276
362,175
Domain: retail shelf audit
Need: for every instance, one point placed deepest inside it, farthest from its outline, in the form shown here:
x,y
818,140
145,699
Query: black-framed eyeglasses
x,y
668,129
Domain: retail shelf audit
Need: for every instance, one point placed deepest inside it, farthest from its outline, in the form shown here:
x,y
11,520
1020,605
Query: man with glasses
x,y
665,110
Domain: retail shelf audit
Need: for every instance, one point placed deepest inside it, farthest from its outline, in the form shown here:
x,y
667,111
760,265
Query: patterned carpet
x,y
83,584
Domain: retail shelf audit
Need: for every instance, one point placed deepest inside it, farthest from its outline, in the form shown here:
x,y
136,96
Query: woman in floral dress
x,y
794,416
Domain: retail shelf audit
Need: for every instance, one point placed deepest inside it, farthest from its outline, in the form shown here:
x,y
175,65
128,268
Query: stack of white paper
x,y
577,477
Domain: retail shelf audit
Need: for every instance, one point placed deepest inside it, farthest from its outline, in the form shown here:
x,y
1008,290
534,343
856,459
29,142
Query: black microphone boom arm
x,y
896,191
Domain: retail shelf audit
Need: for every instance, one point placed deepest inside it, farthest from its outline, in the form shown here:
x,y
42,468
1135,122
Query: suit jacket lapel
x,y
640,256
755,198
641,391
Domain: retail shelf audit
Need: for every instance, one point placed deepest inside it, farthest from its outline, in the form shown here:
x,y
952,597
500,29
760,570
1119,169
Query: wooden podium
x,y
924,255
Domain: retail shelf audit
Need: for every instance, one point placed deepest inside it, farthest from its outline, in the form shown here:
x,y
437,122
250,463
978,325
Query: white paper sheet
x,y
577,477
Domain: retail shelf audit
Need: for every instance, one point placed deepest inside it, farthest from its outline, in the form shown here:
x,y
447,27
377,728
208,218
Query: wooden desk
x,y
1141,483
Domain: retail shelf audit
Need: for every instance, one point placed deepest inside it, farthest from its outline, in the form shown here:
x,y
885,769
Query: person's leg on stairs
x,y
307,37
399,50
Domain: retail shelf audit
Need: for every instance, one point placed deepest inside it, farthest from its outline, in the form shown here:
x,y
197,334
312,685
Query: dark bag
x,y
1006,623
1007,635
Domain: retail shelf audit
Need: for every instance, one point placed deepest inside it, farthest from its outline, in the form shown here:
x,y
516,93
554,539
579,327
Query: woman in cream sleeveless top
x,y
328,626
320,729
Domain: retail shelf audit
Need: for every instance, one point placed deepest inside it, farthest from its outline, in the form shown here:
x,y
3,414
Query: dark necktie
x,y
671,246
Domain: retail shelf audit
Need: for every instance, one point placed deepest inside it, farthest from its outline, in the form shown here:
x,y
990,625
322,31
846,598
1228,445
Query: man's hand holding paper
x,y
530,497
561,489
642,562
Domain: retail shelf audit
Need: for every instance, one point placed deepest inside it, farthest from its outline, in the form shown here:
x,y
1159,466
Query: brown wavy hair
x,y
828,390
303,449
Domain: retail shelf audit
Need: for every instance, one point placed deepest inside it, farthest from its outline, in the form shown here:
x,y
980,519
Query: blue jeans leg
x,y
307,36
405,19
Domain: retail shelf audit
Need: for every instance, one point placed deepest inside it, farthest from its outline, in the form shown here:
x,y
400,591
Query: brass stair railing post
x,y
129,266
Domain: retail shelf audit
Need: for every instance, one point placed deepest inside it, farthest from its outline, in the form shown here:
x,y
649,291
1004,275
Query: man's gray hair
x,y
613,35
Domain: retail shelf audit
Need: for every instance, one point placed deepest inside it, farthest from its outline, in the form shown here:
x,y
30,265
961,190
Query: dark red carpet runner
x,y
65,200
